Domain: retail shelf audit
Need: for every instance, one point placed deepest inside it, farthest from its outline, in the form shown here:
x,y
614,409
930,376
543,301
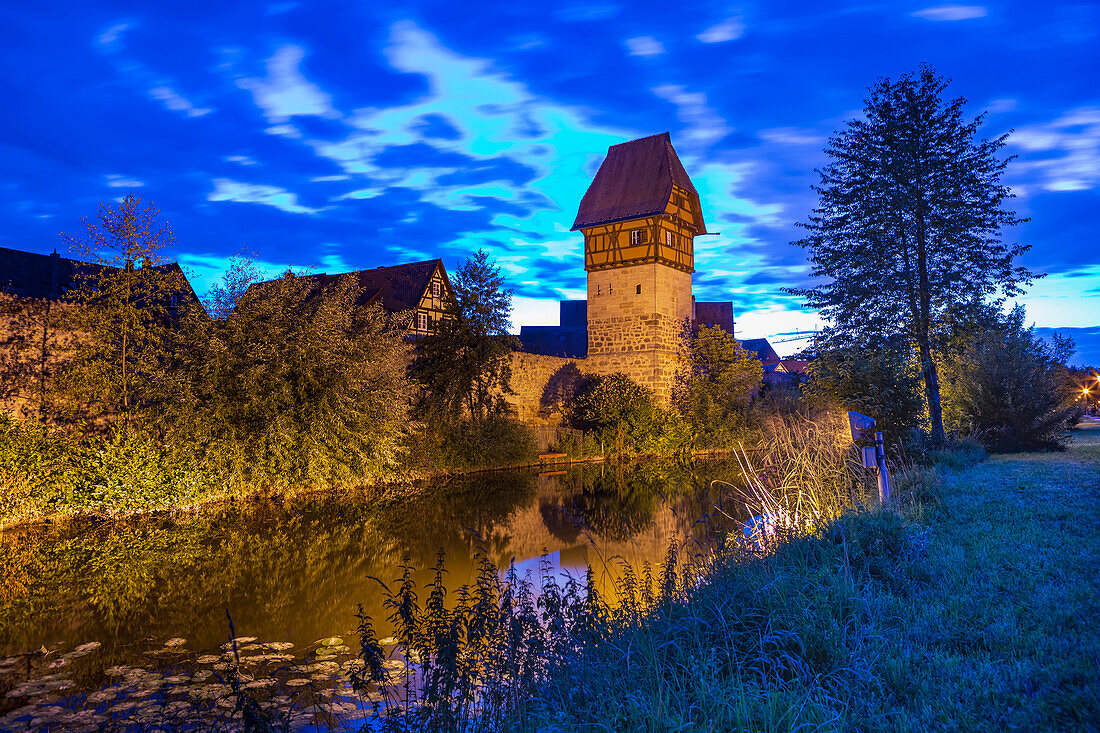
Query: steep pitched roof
x,y
763,349
31,275
635,180
400,287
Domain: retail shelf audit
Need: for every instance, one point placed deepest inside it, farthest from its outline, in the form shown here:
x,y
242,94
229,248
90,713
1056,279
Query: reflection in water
x,y
294,571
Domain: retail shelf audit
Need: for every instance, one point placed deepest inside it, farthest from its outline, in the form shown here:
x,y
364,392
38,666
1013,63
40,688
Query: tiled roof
x,y
400,287
31,275
763,349
635,180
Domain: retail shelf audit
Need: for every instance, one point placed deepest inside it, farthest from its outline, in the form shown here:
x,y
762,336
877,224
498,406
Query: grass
x,y
1000,633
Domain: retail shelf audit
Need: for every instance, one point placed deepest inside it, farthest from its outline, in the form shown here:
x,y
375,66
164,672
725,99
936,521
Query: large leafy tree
x,y
908,224
124,306
719,380
465,367
297,381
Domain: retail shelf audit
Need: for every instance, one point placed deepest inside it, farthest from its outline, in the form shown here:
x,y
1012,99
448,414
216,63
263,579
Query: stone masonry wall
x,y
636,316
539,382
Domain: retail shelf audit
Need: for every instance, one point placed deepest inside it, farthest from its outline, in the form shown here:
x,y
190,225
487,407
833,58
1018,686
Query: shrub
x,y
1007,388
625,418
465,445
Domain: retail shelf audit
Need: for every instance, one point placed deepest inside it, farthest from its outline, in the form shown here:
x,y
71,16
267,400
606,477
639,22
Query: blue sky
x,y
345,135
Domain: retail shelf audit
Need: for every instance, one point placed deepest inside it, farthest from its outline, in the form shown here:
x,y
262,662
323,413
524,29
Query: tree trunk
x,y
932,392
42,358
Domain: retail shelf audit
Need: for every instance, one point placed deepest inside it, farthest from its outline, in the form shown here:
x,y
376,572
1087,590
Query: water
x,y
158,592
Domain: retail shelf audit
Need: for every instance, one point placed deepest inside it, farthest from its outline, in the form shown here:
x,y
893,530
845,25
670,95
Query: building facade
x,y
639,219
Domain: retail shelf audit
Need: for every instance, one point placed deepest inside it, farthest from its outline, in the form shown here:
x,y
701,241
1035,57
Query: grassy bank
x,y
970,608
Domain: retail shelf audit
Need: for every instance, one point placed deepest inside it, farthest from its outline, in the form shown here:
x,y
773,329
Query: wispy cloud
x,y
286,92
790,136
704,125
1063,153
240,159
728,30
644,46
115,180
951,12
257,193
176,102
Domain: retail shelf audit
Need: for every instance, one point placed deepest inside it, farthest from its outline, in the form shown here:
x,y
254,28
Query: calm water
x,y
294,572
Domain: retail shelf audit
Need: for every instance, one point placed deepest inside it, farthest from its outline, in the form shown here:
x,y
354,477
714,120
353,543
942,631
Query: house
x,y
763,350
52,277
420,287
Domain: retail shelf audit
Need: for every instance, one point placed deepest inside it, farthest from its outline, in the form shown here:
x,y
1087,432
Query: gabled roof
x,y
764,350
31,275
635,180
399,287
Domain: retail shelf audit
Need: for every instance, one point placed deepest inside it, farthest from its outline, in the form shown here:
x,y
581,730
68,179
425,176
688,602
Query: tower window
x,y
597,290
638,236
638,289
668,238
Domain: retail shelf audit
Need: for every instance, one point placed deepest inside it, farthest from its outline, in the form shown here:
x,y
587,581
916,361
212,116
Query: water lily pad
x,y
104,695
207,659
297,682
176,641
244,639
255,684
281,646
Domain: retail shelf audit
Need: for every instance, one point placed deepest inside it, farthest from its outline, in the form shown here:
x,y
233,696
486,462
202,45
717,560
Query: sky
x,y
348,135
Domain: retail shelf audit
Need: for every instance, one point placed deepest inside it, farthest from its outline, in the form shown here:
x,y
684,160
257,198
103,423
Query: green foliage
x,y
908,222
881,380
465,367
241,274
466,445
625,418
31,342
1008,388
715,390
299,384
121,311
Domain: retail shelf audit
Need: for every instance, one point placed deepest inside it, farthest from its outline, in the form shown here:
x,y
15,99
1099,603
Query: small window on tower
x,y
638,289
668,238
597,290
638,236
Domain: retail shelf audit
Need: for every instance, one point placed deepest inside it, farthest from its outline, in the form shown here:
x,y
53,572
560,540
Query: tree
x,y
719,380
241,274
465,367
123,307
297,382
1009,388
31,341
908,223
880,379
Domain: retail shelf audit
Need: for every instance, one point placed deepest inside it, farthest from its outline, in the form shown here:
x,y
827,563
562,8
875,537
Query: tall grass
x,y
722,638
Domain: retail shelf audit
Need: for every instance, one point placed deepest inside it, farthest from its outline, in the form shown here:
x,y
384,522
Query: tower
x,y
639,218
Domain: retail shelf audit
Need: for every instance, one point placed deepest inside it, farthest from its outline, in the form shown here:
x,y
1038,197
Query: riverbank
x,y
972,609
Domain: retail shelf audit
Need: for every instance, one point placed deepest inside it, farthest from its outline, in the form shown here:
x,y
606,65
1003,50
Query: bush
x,y
466,445
1007,388
881,380
625,419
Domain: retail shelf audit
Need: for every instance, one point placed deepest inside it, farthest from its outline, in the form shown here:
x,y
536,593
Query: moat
x,y
97,596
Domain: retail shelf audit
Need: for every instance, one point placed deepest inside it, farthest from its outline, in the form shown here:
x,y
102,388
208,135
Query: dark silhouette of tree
x,y
465,367
907,226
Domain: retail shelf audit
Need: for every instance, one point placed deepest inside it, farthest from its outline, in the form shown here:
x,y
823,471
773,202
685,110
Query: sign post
x,y
863,431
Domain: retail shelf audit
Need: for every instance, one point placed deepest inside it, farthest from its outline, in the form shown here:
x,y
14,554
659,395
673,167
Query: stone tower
x,y
639,218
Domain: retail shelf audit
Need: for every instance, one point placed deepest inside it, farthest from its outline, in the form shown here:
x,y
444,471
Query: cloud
x,y
110,36
644,46
1064,154
240,159
790,136
285,92
951,12
256,193
704,125
728,30
176,102
997,106
116,181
